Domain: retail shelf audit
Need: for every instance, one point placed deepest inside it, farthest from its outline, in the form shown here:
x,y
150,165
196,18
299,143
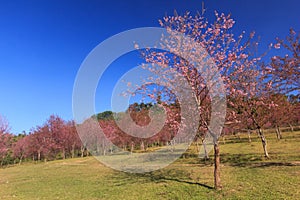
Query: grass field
x,y
245,175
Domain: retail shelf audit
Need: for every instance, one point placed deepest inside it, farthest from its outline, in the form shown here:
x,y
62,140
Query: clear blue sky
x,y
42,45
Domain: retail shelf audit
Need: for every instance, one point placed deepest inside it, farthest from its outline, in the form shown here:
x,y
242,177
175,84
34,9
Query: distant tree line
x,y
58,139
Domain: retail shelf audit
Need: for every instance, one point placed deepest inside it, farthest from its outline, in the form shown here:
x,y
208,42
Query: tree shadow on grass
x,y
240,160
252,160
272,164
160,176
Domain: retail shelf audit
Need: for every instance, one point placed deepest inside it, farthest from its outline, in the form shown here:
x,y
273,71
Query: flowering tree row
x,y
58,139
55,139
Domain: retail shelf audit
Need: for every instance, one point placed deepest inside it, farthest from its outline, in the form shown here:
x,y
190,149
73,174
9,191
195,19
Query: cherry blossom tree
x,y
251,101
71,138
294,110
19,148
5,145
284,71
280,114
5,139
91,138
231,56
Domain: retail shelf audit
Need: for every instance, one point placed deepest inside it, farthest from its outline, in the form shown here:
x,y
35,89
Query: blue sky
x,y
43,43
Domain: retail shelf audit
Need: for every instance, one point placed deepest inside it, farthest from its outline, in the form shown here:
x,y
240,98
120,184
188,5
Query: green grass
x,y
246,174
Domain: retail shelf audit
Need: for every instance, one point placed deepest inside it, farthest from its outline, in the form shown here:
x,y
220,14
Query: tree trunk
x,y
172,144
217,172
278,132
20,161
238,136
73,151
2,161
82,151
39,156
291,127
63,154
197,144
249,136
264,142
146,146
206,157
103,148
132,148
142,146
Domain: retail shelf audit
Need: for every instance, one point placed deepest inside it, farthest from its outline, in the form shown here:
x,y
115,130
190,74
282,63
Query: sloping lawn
x,y
246,174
